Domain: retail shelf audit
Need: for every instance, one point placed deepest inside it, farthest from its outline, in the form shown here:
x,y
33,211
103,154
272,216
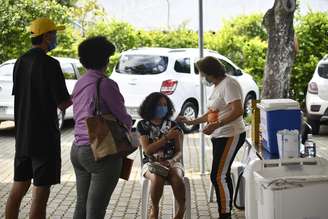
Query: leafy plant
x,y
312,32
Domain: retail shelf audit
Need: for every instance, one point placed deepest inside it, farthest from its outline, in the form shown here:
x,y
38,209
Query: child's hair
x,y
147,109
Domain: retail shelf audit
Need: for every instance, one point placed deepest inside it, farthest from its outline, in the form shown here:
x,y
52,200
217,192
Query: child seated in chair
x,y
161,140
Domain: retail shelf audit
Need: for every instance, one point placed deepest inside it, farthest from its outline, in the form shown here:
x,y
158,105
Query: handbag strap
x,y
97,104
97,110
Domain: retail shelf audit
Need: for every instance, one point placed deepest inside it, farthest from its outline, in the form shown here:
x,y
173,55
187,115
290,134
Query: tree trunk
x,y
278,21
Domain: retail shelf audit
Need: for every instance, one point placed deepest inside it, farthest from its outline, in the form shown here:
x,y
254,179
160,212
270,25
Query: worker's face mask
x,y
53,41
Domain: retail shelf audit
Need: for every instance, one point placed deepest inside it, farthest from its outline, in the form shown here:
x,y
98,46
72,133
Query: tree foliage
x,y
312,34
15,17
242,39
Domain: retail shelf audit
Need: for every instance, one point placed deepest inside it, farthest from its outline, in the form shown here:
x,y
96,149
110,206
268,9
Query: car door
x,y
6,85
70,76
188,81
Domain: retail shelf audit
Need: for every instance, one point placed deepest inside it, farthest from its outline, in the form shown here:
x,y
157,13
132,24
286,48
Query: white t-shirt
x,y
227,91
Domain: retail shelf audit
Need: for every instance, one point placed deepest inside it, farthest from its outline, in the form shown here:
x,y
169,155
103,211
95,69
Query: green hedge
x,y
242,39
312,32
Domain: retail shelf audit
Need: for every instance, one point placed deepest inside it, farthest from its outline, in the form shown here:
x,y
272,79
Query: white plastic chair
x,y
145,187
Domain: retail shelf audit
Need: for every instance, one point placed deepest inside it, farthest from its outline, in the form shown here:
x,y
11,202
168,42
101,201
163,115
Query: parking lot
x,y
126,200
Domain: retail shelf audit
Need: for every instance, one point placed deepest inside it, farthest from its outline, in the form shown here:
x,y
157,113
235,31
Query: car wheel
x,y
190,111
248,104
61,117
315,125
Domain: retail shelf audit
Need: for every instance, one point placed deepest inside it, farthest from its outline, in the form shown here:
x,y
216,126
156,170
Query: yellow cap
x,y
43,25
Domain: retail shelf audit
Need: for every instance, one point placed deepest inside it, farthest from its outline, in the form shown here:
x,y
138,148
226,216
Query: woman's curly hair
x,y
94,52
147,109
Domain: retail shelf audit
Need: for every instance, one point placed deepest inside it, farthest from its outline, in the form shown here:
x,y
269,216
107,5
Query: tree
x,y
15,17
281,52
86,14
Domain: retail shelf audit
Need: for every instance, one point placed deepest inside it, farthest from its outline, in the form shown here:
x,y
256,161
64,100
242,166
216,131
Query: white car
x,y
71,68
317,96
142,71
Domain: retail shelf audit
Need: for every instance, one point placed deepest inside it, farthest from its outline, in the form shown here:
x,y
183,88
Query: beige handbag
x,y
108,137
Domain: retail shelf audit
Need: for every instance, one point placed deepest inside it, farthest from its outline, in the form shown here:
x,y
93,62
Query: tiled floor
x,y
126,200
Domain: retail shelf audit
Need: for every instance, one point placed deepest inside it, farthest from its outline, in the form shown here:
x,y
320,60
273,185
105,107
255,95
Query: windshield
x,y
323,70
142,64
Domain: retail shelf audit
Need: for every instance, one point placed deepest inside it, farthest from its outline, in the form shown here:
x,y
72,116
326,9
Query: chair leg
x,y
211,193
188,198
144,199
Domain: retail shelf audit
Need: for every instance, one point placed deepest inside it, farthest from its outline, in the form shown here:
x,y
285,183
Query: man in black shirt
x,y
39,89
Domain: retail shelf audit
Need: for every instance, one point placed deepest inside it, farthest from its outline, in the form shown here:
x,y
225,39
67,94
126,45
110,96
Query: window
x,y
230,70
323,70
182,65
196,69
81,69
142,64
6,70
68,70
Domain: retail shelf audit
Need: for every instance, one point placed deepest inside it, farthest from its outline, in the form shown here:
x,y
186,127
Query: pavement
x,y
126,199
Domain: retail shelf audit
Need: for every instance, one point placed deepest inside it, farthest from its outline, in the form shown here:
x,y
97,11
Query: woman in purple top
x,y
95,181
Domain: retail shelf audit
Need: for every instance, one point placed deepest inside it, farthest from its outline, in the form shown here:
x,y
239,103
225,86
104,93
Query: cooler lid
x,y
278,104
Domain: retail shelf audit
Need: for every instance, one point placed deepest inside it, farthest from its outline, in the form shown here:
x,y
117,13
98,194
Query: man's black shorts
x,y
44,171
